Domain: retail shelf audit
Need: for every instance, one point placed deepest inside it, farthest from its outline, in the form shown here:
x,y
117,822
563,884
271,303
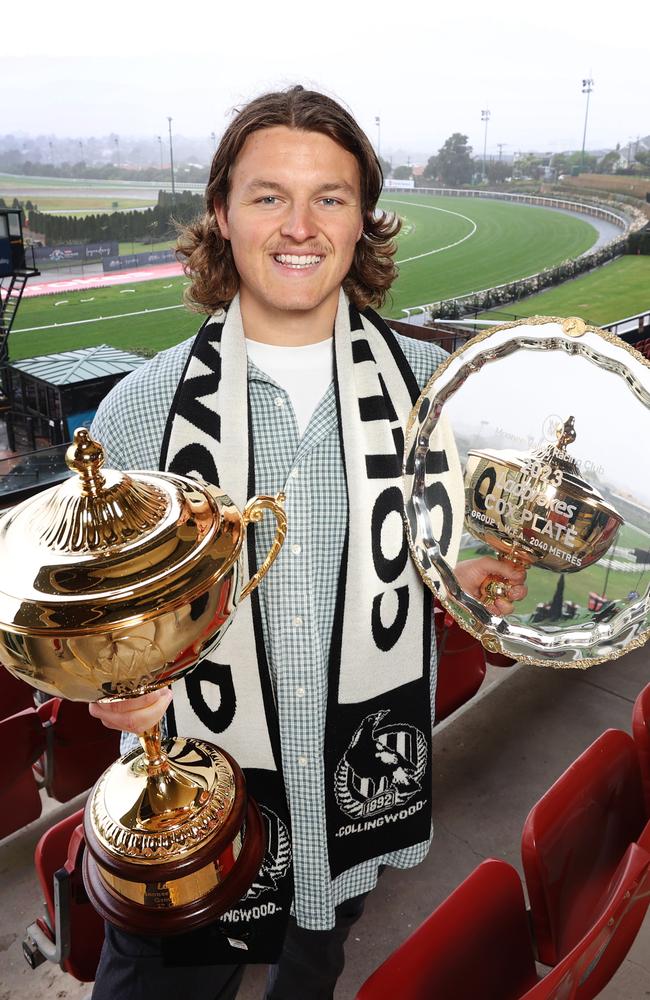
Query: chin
x,y
298,301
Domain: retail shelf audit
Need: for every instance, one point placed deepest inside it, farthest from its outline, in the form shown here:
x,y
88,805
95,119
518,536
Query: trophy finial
x,y
566,434
86,457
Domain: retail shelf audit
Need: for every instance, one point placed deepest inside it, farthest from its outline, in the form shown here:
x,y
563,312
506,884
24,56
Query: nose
x,y
299,223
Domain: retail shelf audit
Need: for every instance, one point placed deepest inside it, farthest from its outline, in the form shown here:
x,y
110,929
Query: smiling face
x,y
293,219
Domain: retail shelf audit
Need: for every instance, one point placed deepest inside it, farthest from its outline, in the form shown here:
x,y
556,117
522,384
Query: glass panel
x,y
14,223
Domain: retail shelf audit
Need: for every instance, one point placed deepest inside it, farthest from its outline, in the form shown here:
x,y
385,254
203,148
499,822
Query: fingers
x,y
133,715
505,605
511,572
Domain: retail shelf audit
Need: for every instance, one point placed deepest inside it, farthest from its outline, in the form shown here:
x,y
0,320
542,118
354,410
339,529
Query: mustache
x,y
317,250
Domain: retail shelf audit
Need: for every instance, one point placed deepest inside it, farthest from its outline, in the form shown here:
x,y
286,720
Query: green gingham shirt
x,y
297,598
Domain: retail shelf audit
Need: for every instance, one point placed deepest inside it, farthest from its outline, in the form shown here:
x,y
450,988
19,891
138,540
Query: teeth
x,y
297,260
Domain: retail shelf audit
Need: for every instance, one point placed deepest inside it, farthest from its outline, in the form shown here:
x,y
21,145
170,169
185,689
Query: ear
x,y
221,214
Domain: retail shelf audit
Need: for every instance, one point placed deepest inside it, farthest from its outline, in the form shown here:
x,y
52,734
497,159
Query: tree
x,y
402,173
431,169
454,161
497,171
608,163
643,159
386,167
529,165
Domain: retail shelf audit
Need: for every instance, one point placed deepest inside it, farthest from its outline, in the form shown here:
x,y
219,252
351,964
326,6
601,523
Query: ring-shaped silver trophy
x,y
528,445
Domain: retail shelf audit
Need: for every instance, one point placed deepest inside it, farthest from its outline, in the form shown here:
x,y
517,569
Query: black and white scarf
x,y
377,751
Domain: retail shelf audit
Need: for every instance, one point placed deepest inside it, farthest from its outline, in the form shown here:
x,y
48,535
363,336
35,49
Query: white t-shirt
x,y
303,372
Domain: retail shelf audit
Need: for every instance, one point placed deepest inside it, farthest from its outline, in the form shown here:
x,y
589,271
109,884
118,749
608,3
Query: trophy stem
x,y
151,742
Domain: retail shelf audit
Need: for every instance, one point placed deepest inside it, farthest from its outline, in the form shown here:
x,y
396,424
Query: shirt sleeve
x,y
424,357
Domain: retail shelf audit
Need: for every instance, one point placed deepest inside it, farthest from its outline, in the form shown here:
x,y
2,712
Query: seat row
x,y
56,746
586,863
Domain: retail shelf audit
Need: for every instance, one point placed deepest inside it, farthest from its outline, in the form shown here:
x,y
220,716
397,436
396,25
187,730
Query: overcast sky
x,y
427,69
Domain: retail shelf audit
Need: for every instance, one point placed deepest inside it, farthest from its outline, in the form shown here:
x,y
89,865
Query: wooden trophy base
x,y
184,892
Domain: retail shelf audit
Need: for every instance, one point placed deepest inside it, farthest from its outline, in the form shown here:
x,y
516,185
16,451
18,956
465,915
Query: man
x,y
323,690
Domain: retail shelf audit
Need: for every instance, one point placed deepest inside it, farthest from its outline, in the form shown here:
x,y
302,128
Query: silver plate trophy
x,y
529,444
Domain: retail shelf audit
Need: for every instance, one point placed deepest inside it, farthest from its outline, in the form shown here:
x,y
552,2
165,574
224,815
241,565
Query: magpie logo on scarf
x,y
377,752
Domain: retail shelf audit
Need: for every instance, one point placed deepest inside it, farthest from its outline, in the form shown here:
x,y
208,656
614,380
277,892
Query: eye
x,y
267,199
329,202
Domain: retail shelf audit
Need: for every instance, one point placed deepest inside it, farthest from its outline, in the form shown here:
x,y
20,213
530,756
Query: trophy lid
x,y
106,548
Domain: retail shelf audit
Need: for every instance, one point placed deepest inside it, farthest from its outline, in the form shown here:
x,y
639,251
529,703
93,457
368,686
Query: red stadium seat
x,y
643,346
15,695
641,731
499,659
461,664
477,944
576,840
71,933
78,748
22,741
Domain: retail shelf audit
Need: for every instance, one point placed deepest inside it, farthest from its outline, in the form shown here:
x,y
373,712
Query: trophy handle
x,y
254,511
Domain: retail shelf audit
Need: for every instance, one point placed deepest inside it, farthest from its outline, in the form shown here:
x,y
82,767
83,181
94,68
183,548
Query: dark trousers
x,y
131,968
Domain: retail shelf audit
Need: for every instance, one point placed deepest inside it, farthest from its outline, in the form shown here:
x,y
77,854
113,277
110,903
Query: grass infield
x,y
614,291
449,246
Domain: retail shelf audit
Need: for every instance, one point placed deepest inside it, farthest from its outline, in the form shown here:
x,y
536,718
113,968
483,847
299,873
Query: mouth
x,y
297,262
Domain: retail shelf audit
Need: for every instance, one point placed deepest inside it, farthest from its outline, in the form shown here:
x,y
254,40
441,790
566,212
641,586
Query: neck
x,y
287,327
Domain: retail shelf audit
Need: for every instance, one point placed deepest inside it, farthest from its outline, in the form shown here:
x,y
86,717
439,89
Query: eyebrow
x,y
258,183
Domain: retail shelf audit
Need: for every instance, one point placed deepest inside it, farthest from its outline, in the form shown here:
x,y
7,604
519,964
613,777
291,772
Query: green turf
x,y
156,330
91,206
511,241
613,292
630,537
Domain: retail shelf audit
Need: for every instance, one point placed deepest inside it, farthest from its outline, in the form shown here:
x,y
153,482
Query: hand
x,y
472,573
133,715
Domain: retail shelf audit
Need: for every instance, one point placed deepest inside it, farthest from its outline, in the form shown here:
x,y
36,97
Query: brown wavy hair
x,y
207,257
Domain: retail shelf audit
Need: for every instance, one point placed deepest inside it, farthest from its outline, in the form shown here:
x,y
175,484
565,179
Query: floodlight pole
x,y
159,138
587,87
378,124
171,160
485,117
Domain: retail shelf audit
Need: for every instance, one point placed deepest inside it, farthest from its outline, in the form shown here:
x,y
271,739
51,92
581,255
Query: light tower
x,y
171,160
587,87
485,117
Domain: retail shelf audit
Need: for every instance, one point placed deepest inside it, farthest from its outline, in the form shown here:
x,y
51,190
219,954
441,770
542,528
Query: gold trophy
x,y
113,585
534,508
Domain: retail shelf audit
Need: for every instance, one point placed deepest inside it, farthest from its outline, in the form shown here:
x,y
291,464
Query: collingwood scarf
x,y
377,741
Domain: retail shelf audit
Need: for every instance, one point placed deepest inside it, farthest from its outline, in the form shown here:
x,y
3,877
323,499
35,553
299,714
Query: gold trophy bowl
x,y
113,585
534,508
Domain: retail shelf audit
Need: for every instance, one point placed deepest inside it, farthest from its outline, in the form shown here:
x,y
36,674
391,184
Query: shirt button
x,y
300,692
295,473
296,620
302,761
278,401
296,548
